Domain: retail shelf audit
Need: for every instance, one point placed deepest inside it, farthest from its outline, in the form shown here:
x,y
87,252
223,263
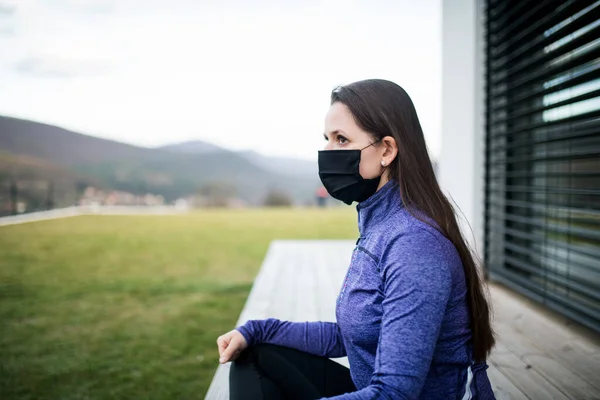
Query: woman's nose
x,y
328,146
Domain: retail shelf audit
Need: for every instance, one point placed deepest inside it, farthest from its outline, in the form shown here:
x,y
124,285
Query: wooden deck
x,y
540,355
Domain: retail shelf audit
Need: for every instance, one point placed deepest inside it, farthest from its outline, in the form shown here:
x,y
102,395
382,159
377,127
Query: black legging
x,y
265,372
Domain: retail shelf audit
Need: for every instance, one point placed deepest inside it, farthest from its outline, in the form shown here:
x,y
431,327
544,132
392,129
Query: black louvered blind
x,y
543,152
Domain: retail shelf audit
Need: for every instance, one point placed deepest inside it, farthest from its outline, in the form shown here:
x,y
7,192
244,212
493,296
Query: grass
x,y
129,307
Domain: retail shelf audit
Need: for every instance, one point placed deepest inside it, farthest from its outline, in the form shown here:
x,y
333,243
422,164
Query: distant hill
x,y
26,167
284,165
280,165
60,146
170,171
193,147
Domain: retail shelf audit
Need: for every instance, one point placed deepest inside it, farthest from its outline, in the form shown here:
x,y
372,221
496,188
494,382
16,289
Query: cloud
x,y
56,67
91,6
7,9
7,31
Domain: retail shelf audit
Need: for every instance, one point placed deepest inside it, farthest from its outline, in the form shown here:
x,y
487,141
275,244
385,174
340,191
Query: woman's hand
x,y
230,346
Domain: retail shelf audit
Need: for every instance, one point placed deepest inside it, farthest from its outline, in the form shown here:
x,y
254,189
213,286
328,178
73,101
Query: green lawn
x,y
129,307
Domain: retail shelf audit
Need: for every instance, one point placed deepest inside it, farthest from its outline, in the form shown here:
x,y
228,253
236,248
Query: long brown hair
x,y
382,108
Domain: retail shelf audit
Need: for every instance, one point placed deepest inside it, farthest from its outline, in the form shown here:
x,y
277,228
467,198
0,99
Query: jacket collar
x,y
378,207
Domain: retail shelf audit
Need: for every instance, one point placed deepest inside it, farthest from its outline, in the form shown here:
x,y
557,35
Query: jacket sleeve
x,y
318,338
417,283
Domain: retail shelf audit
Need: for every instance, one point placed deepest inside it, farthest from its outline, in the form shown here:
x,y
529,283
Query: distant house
x,y
94,197
321,194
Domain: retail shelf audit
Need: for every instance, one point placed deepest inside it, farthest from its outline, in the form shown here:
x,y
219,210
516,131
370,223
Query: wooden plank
x,y
281,306
336,257
527,328
259,300
562,377
503,388
219,387
554,372
523,376
326,310
306,296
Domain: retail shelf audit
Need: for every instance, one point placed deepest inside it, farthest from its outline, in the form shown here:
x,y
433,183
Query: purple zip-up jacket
x,y
402,314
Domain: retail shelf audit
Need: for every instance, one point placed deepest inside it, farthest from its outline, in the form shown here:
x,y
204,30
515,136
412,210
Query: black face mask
x,y
339,173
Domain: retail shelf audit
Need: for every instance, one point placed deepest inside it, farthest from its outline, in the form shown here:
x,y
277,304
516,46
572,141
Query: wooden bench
x,y
540,355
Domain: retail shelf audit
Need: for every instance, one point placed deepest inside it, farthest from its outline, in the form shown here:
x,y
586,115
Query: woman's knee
x,y
254,354
264,348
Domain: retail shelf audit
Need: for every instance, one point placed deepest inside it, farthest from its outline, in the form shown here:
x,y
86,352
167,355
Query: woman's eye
x,y
342,140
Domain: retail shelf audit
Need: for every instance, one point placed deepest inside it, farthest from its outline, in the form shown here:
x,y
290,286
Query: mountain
x,y
193,147
60,146
283,165
21,167
142,170
279,165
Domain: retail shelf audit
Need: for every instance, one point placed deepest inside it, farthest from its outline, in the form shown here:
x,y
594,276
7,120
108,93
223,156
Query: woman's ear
x,y
390,150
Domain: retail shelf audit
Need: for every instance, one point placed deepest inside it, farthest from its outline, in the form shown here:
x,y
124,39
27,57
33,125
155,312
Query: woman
x,y
411,315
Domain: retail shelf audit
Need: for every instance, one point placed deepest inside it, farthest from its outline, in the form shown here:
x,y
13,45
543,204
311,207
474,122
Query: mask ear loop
x,y
377,141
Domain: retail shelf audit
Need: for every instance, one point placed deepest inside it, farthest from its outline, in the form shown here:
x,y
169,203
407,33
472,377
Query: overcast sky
x,y
243,74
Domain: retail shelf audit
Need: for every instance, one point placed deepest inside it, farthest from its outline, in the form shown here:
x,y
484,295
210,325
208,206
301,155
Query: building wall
x,y
461,164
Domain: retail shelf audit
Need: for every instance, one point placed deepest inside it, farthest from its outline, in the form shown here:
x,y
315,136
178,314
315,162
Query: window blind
x,y
542,211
